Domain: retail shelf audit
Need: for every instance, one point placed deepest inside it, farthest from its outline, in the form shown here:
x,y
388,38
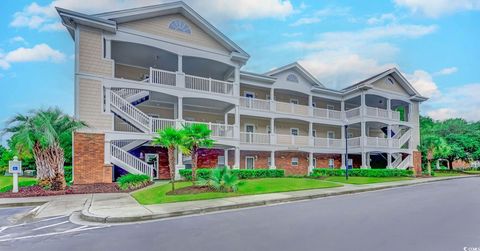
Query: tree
x,y
171,139
431,144
197,136
40,133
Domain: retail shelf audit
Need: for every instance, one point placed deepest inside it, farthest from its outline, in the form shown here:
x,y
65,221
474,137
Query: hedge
x,y
204,173
133,181
319,172
68,174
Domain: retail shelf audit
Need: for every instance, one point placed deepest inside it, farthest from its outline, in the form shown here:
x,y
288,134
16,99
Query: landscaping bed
x,y
160,194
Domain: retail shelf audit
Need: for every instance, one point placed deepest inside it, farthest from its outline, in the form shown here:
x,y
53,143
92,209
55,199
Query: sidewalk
x,y
121,208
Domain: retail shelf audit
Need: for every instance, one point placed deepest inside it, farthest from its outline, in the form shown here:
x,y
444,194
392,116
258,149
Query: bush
x,y
204,173
133,181
68,174
222,179
320,172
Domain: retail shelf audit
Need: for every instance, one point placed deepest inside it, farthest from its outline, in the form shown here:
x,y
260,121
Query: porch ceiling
x,y
143,56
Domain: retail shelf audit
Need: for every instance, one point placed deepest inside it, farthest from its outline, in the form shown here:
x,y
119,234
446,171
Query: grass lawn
x,y
473,172
157,195
365,180
439,174
7,181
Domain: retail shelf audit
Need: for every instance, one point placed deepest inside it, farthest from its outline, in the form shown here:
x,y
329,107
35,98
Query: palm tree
x,y
197,136
41,133
170,138
434,146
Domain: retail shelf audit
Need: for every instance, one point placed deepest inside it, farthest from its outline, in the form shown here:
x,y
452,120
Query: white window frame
x,y
293,128
330,107
249,92
246,162
294,101
350,163
350,135
331,163
252,125
330,132
269,161
218,160
292,161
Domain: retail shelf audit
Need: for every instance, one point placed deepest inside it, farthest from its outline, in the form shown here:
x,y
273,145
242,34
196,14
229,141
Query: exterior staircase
x,y
129,162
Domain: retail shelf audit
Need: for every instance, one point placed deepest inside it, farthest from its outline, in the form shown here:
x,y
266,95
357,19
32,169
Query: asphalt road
x,y
436,216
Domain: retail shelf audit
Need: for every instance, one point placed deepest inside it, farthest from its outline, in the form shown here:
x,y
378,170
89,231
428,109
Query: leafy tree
x,y
197,136
40,133
432,144
171,139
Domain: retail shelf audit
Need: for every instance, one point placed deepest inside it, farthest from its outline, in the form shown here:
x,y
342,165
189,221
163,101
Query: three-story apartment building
x,y
141,70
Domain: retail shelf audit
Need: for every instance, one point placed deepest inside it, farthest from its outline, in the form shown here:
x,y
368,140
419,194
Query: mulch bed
x,y
35,191
192,190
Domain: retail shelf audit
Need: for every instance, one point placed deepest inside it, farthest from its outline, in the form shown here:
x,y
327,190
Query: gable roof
x,y
300,69
108,21
395,73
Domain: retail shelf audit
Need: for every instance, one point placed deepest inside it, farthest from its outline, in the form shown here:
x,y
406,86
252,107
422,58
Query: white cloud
x,y
339,59
387,17
460,101
319,15
423,82
44,17
40,52
446,71
293,34
18,39
437,8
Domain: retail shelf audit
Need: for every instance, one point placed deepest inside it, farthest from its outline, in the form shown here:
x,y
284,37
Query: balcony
x,y
255,138
162,77
328,143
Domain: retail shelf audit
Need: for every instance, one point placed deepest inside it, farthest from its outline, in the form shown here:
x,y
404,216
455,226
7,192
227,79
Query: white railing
x,y
396,115
285,107
129,109
218,130
352,113
255,138
253,103
326,142
354,142
124,93
327,113
161,124
377,142
397,160
376,112
131,161
162,77
208,85
287,139
395,143
405,137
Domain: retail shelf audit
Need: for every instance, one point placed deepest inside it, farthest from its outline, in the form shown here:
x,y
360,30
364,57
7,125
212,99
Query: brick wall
x,y
283,160
323,159
460,164
261,159
208,158
88,159
163,169
417,162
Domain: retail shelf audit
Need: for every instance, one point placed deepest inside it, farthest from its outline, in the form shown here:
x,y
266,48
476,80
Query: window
x,y
267,96
330,107
294,161
331,163
294,101
314,133
314,163
249,128
294,131
350,163
292,78
389,81
180,26
249,94
221,161
268,129
331,134
249,162
350,135
269,161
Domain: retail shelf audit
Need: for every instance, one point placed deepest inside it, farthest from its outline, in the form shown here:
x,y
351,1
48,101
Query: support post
x,y
225,154
237,122
310,162
346,154
272,160
236,165
180,108
364,160
389,160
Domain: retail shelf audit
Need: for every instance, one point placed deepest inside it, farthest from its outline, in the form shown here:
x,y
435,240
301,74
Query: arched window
x,y
292,78
179,25
389,81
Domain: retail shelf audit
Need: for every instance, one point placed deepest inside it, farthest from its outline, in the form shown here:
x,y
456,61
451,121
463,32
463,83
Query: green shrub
x,y
68,174
222,179
321,172
204,173
133,181
23,183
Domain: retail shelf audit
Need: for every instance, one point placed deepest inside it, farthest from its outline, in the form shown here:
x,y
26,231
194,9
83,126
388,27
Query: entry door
x,y
249,162
250,96
249,129
152,159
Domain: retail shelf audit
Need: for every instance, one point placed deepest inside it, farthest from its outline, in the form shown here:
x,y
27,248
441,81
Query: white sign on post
x,y
15,167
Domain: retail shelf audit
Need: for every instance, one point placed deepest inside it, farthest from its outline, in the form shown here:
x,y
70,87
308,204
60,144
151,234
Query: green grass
x,y
473,172
157,195
365,180
446,174
7,181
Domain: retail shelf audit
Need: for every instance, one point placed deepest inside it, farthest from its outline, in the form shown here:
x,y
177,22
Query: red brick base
x,y
417,162
88,159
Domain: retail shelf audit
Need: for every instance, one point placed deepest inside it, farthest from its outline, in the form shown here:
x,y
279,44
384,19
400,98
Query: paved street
x,y
434,216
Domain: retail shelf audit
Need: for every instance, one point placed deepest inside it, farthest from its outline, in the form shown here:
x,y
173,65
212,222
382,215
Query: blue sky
x,y
434,43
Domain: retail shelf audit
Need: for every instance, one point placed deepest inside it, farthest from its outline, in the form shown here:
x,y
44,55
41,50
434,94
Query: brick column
x,y
417,163
89,159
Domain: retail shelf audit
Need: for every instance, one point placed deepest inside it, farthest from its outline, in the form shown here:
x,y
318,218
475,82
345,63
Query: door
x,y
250,96
249,129
249,162
152,159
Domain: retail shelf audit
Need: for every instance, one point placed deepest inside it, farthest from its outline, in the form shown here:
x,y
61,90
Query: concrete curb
x,y
22,204
88,216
